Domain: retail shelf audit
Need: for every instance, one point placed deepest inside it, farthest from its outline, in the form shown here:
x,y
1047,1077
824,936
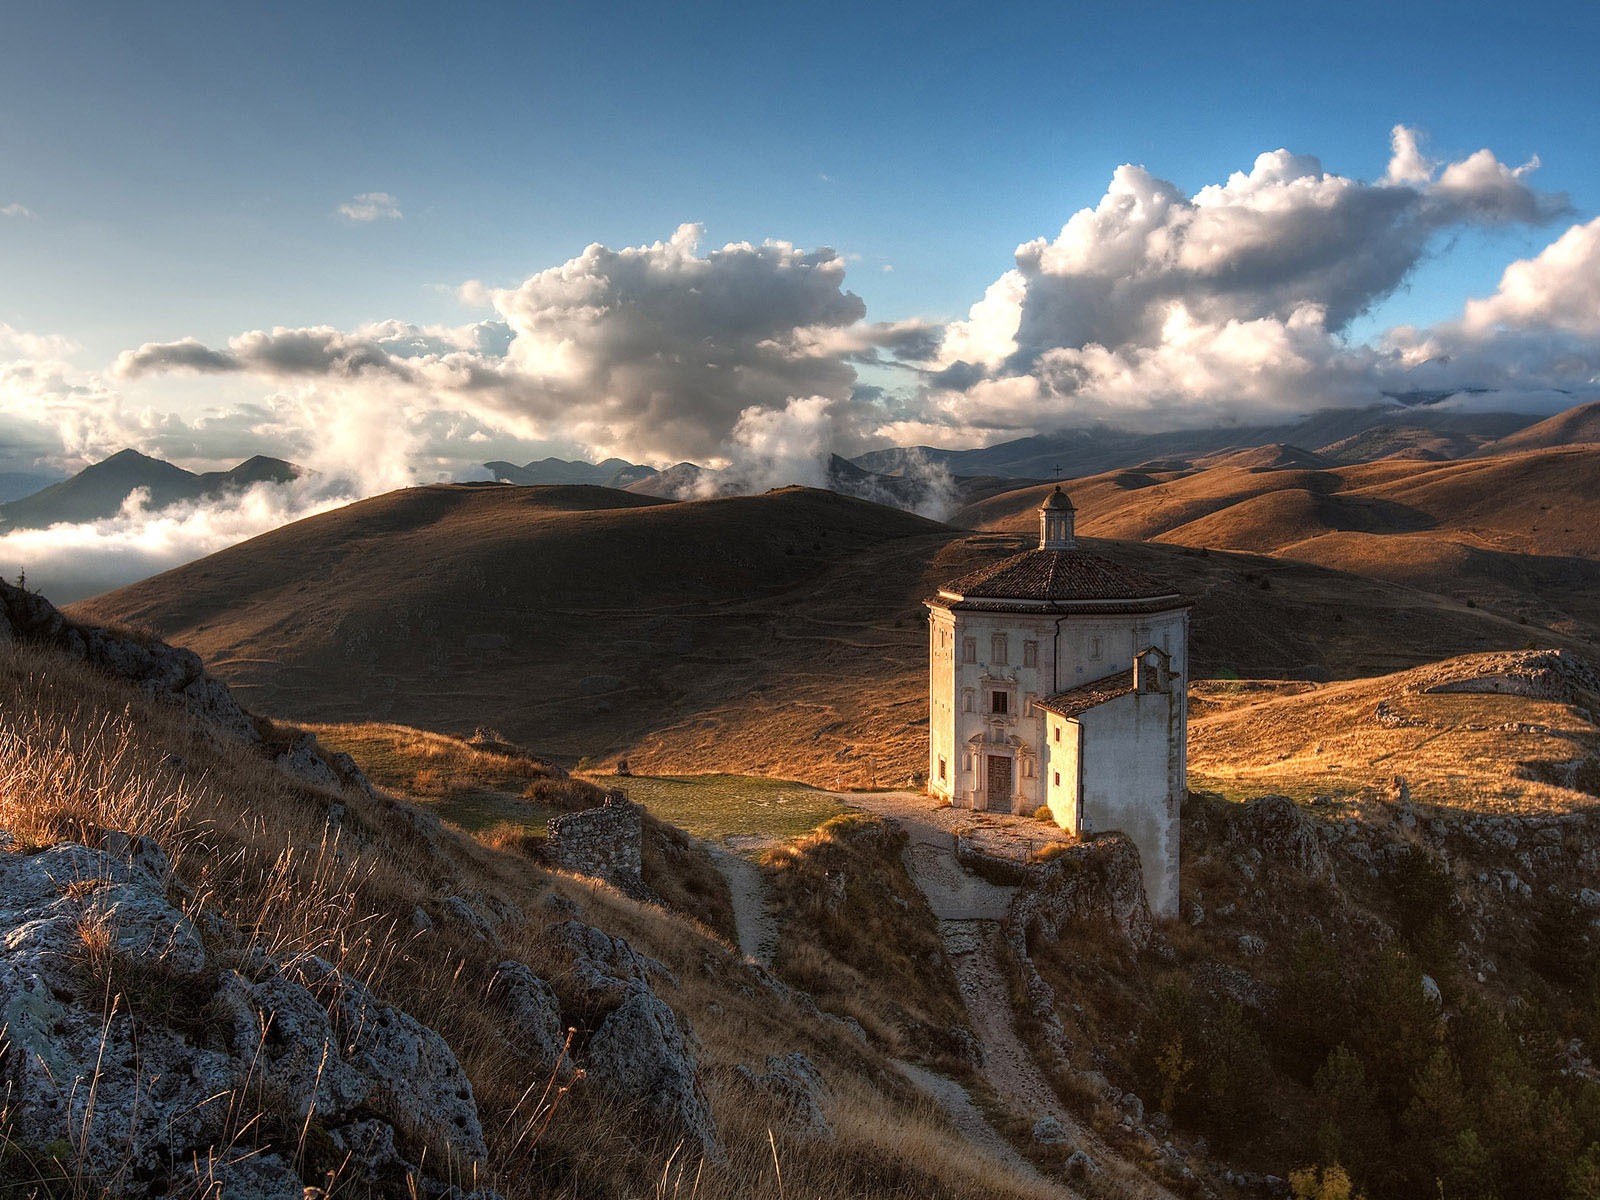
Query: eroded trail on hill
x,y
969,909
758,928
758,935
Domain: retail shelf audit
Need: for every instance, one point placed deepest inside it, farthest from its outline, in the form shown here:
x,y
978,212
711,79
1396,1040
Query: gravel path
x,y
969,910
758,928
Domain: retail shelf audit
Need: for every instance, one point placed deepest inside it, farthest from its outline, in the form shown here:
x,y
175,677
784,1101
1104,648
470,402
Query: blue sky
x,y
184,161
393,242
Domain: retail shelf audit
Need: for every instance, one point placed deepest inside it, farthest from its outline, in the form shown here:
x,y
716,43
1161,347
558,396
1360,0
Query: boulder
x,y
418,1085
532,1014
303,759
1047,1131
639,1052
641,1055
149,1106
793,1083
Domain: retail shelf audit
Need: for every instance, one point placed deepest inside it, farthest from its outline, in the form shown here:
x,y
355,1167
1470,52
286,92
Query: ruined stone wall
x,y
603,842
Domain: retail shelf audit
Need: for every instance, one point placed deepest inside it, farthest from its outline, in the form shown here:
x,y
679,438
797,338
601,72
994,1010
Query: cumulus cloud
x,y
371,206
17,210
651,351
1229,304
1151,309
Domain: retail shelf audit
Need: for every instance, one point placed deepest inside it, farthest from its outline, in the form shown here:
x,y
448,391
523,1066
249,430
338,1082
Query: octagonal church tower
x,y
1058,678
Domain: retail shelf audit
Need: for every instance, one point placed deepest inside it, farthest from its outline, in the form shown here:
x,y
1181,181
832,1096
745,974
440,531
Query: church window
x,y
969,650
1030,654
941,770
1058,778
966,701
999,702
1058,733
997,649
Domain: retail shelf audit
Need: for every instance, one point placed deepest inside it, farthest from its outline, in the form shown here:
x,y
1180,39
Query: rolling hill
x,y
1517,531
780,634
1349,435
612,472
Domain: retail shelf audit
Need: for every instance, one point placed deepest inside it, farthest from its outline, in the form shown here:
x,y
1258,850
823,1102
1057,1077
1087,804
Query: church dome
x,y
1057,501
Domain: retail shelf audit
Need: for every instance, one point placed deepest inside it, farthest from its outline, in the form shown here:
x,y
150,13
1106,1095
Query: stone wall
x,y
603,842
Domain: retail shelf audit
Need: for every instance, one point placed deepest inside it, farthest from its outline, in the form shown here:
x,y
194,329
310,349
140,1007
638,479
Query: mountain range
x,y
99,491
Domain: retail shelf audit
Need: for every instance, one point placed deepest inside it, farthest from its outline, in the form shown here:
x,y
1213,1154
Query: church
x,y
1057,678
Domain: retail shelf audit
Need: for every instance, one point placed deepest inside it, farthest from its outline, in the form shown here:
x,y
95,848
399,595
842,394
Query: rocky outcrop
x,y
604,842
1276,826
637,1049
146,1049
532,1014
1089,883
160,670
1557,675
168,673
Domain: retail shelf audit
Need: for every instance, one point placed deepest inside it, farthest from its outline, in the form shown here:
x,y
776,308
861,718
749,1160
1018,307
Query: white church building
x,y
1057,678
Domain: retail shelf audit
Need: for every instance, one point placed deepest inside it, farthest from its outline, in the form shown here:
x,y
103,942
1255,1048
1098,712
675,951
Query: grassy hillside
x,y
780,635
306,871
1352,742
1519,532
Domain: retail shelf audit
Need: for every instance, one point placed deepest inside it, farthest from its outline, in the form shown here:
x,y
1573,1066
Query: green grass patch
x,y
723,806
474,809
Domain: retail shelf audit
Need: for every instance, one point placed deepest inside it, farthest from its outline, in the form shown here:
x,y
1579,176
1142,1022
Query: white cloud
x,y
18,210
372,206
1162,309
1151,309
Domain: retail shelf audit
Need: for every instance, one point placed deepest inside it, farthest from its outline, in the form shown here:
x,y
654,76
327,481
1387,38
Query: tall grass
x,y
81,754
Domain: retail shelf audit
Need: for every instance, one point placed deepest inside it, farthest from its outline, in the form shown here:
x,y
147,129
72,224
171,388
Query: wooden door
x,y
999,794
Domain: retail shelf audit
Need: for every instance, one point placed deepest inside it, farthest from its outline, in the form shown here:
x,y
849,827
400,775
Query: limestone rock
x,y
639,1052
165,1092
417,1083
640,1055
1047,1131
795,1085
1275,826
159,670
1087,883
163,1111
303,760
533,1014
299,1060
237,1175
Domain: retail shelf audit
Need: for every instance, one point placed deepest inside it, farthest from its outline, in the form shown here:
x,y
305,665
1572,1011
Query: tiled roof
x,y
1057,575
1082,698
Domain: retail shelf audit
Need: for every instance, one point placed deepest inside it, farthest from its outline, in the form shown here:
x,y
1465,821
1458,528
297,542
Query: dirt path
x,y
758,928
969,910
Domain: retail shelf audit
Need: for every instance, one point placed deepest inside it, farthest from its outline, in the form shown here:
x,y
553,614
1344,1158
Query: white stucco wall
x,y
1128,749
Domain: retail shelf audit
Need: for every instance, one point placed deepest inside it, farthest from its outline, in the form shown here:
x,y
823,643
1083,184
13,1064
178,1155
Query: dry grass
x,y
1518,532
857,934
1462,751
80,753
779,635
477,784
